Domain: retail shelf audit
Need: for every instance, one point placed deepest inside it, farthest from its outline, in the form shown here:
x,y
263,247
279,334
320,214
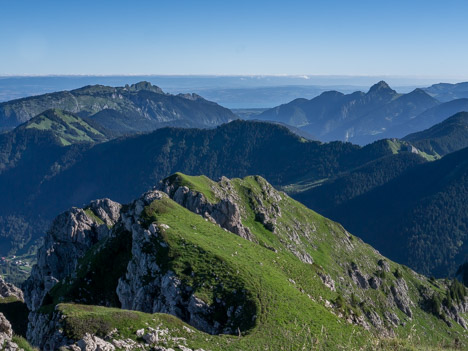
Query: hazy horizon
x,y
339,38
252,91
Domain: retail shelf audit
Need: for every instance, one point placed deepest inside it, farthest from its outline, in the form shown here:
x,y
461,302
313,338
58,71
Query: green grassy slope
x,y
81,319
68,128
286,304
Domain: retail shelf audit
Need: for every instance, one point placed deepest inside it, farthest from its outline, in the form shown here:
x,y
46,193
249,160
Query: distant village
x,y
15,261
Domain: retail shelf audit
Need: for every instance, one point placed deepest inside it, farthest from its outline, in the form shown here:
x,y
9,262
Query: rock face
x,y
455,312
44,331
8,290
400,296
148,287
93,343
72,233
358,277
384,265
226,212
6,333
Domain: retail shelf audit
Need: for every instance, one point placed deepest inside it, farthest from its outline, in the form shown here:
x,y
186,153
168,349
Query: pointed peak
x,y
418,91
381,87
419,95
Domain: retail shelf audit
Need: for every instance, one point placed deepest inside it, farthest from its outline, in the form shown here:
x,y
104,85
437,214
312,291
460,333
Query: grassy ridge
x,y
286,305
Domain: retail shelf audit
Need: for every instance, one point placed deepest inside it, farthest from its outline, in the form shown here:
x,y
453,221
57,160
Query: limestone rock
x,y
375,282
44,331
392,318
6,333
107,210
5,327
383,264
375,319
226,212
7,290
455,312
327,281
400,296
72,233
358,277
94,343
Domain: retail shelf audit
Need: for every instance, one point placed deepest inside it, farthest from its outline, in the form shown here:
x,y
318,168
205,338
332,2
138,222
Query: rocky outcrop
x,y
148,338
400,296
265,204
327,281
392,318
455,312
384,266
72,233
229,210
9,290
45,331
94,343
375,282
106,210
148,287
226,212
6,334
359,278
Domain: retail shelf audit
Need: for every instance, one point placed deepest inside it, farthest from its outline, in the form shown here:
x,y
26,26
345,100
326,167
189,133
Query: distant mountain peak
x,y
144,85
419,91
381,87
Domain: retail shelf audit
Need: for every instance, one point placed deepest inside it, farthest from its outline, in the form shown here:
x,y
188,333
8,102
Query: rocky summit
x,y
196,264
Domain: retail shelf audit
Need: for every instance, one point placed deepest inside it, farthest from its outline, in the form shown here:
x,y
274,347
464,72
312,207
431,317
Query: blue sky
x,y
394,38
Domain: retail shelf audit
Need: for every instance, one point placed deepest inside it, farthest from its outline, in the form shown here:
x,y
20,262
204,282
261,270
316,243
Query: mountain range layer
x,y
134,108
357,117
365,117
